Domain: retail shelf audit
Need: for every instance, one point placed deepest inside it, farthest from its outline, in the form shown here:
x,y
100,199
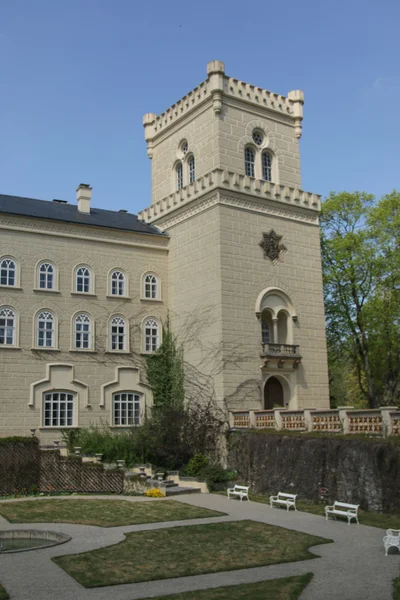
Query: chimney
x,y
83,196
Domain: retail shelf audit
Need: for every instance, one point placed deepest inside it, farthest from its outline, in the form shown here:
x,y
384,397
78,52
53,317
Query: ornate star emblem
x,y
272,247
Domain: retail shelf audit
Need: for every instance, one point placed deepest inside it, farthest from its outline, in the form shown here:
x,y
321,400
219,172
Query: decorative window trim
x,y
59,376
126,378
92,332
265,169
179,176
15,344
17,277
126,339
35,345
144,336
92,278
49,397
190,168
56,282
137,399
143,287
109,283
250,166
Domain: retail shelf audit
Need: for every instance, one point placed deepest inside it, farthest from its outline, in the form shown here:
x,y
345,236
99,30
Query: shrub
x,y
154,493
196,464
214,474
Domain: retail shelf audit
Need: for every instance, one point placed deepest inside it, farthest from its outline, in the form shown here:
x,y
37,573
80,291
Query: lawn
x,y
3,594
104,513
396,589
288,588
188,550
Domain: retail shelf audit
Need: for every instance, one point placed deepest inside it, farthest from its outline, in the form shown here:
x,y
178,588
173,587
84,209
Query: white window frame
x,y
82,333
179,182
151,335
46,288
148,286
191,168
250,166
8,313
45,313
53,399
6,268
267,154
266,337
121,402
91,280
116,336
124,282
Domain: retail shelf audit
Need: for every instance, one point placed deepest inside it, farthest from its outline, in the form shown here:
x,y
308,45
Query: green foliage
x,y
216,477
196,464
18,440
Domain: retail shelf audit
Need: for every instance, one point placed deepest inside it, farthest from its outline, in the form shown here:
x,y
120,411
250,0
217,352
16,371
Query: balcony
x,y
282,356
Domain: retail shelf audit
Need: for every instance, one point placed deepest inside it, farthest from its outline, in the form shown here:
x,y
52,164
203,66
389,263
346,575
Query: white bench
x,y
391,539
288,500
343,509
242,491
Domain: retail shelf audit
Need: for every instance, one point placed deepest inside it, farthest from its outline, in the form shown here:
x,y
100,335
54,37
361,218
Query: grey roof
x,y
60,211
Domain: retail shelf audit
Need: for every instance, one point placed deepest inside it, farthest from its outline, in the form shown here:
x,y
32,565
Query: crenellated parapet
x,y
226,180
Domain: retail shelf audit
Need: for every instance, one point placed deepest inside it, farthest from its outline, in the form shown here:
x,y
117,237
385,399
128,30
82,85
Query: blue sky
x,y
77,76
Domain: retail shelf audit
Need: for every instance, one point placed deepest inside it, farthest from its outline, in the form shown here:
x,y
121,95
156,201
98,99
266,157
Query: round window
x,y
184,147
258,137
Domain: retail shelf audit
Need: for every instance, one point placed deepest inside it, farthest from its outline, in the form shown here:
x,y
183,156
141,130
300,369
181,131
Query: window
x,y
179,176
8,272
117,283
266,161
7,326
118,333
45,330
82,332
249,162
184,147
83,280
265,334
46,276
192,170
151,335
58,409
126,408
258,137
150,287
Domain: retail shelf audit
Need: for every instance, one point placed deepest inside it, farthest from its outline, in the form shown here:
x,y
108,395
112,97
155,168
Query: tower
x,y
244,271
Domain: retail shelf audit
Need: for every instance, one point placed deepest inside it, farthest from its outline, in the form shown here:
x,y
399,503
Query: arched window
x,y
249,162
117,283
151,335
192,169
265,333
266,163
8,272
117,334
45,330
58,409
126,408
83,280
46,276
82,332
150,287
8,323
179,176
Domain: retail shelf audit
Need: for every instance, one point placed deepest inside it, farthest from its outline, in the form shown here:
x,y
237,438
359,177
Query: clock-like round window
x,y
258,137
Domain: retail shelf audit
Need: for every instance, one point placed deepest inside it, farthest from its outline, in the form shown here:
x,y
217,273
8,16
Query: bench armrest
x,y
329,507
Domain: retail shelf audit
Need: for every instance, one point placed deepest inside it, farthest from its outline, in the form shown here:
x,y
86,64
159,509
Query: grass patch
x,y
396,589
383,521
191,550
3,594
288,588
104,513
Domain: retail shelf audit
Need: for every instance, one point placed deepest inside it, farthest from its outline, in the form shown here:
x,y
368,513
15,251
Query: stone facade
x,y
225,293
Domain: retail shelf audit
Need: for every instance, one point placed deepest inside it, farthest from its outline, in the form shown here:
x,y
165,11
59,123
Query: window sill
x,y
40,349
44,290
83,294
57,427
6,347
117,352
123,426
115,297
10,287
148,353
151,300
82,350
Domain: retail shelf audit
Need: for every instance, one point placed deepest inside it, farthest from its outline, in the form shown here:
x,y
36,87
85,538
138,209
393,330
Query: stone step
x,y
175,491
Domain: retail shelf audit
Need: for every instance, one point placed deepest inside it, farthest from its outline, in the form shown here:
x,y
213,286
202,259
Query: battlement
x,y
218,86
225,180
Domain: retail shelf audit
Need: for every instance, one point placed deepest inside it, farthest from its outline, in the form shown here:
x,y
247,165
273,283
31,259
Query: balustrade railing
x,y
280,350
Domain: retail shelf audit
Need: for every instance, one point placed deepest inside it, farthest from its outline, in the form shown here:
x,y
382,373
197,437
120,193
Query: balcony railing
x,y
280,350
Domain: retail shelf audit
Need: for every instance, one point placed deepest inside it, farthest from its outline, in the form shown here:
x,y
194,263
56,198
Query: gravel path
x,y
352,568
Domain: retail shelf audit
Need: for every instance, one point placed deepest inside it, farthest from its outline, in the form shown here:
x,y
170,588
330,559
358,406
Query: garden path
x,y
353,568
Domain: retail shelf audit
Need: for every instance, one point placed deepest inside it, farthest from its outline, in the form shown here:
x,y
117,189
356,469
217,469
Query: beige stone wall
x,y
66,246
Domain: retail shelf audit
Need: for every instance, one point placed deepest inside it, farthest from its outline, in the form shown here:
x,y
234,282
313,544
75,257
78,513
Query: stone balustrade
x,y
384,421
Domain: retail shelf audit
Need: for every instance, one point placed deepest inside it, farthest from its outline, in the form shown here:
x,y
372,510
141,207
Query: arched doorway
x,y
273,393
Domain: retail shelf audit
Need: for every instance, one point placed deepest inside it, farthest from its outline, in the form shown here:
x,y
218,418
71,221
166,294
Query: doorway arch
x,y
273,393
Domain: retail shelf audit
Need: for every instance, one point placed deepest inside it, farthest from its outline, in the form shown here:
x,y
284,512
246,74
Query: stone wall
x,y
365,472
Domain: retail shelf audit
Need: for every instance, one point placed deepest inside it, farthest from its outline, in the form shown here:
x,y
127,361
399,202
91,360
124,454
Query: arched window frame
x,y
250,153
9,320
148,286
151,335
82,337
59,409
43,277
127,408
286,307
75,282
179,183
111,280
191,168
9,272
118,340
41,333
267,171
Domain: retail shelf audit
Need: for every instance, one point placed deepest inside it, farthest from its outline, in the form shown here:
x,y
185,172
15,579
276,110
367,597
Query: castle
x,y
229,248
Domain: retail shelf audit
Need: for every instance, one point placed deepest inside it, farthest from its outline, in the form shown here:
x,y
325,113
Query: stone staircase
x,y
172,488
